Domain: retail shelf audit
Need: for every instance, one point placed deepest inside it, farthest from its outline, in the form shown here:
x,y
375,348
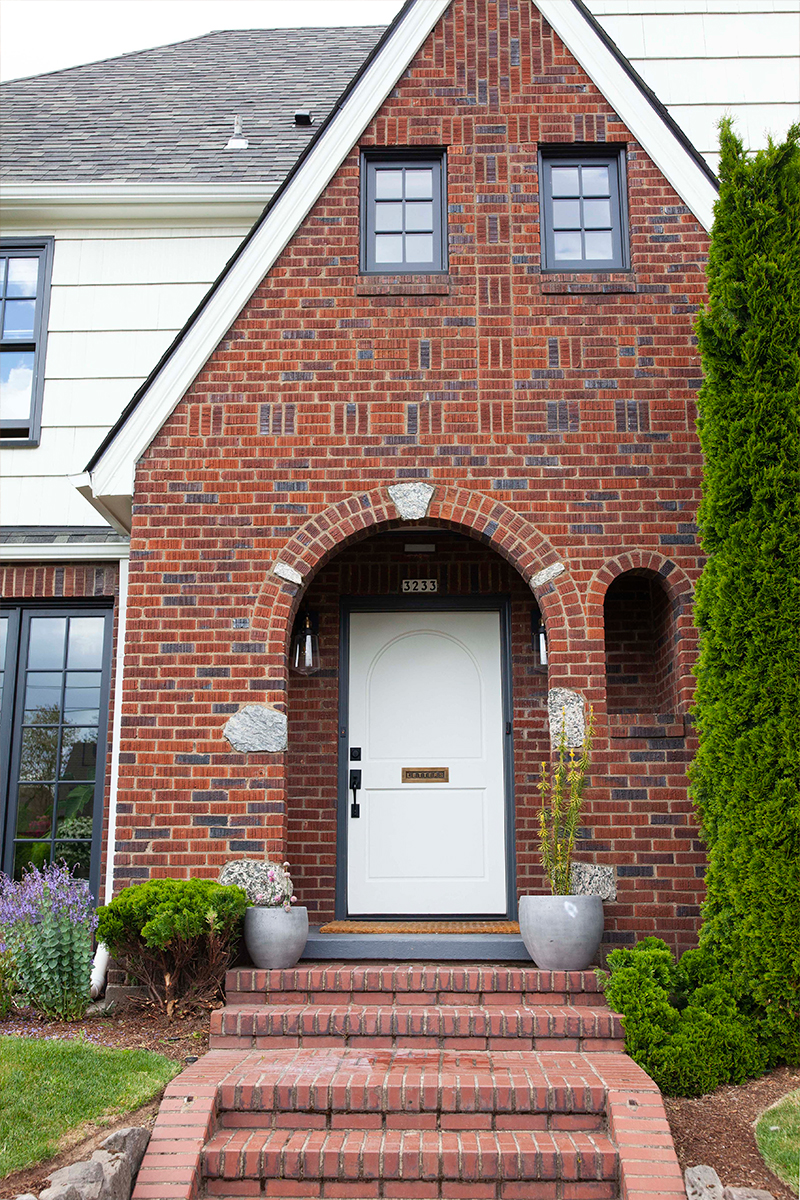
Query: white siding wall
x,y
118,298
708,58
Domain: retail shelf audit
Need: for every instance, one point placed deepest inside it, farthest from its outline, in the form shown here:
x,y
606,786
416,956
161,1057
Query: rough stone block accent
x,y
411,500
257,728
593,879
547,574
566,712
284,571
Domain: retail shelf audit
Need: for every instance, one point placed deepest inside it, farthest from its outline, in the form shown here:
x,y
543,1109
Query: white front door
x,y
426,712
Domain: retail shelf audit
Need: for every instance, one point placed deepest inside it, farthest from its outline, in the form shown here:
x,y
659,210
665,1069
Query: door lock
x,y
355,784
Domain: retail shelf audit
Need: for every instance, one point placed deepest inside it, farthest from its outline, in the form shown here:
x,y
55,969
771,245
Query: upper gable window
x,y
24,300
584,214
403,214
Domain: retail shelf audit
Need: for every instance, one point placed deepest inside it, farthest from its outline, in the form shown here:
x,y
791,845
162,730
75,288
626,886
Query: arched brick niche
x,y
642,603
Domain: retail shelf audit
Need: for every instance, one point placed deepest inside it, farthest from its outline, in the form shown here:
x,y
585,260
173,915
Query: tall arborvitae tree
x,y
745,777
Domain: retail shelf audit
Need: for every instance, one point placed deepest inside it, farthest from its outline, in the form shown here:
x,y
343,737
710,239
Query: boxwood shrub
x,y
176,936
683,1022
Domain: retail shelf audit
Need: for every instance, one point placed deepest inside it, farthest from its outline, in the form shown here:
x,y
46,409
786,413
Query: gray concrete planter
x,y
275,937
561,933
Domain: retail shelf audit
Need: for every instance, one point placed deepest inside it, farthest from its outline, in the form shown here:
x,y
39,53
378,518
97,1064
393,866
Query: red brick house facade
x,y
536,427
551,413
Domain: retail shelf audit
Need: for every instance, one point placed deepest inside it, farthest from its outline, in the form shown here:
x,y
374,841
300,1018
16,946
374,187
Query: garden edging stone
x,y
108,1175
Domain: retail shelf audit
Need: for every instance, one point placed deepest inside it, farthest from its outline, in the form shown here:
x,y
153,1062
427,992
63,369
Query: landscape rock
x,y
702,1183
78,1181
258,728
746,1193
131,1141
25,1196
108,1175
592,879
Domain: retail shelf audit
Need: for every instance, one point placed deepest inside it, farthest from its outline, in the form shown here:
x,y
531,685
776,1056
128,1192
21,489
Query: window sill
x,y
7,443
403,285
576,283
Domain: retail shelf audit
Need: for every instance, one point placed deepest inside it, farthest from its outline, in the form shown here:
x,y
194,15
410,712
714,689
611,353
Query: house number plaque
x,y
420,585
426,774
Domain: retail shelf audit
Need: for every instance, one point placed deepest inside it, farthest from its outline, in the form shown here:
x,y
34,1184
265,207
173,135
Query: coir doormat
x,y
389,927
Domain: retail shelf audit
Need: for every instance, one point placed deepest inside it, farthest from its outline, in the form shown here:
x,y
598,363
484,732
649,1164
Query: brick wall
x,y
554,416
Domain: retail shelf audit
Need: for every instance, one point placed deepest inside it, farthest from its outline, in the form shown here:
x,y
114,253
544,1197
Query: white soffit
x,y
650,130
113,474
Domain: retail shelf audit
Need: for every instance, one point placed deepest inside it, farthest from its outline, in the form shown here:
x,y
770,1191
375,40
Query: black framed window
x,y
583,210
404,225
25,269
53,724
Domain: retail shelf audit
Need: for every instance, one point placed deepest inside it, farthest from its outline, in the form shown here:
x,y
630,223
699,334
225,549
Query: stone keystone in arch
x,y
412,500
258,729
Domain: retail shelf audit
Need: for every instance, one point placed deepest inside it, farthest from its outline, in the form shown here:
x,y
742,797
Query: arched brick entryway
x,y
477,515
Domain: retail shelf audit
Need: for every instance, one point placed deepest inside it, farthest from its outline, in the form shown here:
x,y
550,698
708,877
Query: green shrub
x,y
682,1021
176,936
745,777
46,924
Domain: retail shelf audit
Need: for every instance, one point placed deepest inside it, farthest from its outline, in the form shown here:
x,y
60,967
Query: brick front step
x,y
358,1155
414,1088
489,1027
421,984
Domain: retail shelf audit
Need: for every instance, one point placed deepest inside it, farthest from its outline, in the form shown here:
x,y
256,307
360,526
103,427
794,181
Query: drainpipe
x,y
100,963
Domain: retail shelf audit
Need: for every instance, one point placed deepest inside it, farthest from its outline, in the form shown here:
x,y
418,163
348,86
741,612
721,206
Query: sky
x,y
48,35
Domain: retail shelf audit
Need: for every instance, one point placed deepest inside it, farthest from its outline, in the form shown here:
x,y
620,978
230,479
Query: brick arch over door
x,y
477,515
679,590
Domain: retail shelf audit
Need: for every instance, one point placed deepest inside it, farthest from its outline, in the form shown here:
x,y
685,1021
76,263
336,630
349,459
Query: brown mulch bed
x,y
718,1130
128,1030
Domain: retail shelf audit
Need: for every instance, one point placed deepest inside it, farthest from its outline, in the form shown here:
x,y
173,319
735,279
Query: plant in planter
x,y
275,932
562,931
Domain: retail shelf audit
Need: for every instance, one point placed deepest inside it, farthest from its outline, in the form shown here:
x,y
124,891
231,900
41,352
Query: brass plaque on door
x,y
426,774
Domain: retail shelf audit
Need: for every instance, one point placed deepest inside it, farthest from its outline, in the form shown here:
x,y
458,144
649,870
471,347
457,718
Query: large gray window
x,y
24,300
403,215
54,675
583,210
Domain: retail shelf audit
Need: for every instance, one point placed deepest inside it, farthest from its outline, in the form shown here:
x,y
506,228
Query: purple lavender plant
x,y
47,919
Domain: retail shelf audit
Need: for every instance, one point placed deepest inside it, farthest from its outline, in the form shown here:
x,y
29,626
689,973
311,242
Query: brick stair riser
x,y
424,985
491,1028
503,1122
290,1189
352,1156
575,999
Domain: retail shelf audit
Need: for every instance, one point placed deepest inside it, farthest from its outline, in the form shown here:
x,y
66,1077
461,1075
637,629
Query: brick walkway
x,y
412,1083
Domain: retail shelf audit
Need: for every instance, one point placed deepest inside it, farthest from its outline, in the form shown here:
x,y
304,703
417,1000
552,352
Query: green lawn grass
x,y
50,1087
778,1138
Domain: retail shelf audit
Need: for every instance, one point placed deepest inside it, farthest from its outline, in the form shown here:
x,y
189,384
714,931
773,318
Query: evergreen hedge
x,y
745,777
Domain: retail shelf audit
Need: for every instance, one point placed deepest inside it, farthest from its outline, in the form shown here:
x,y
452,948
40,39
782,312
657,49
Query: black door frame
x,y
499,603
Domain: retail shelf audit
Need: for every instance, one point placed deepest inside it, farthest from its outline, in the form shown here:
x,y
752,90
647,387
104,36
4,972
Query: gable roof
x,y
166,115
109,479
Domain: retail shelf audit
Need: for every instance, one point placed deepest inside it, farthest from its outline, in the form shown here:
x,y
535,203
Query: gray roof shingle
x,y
166,115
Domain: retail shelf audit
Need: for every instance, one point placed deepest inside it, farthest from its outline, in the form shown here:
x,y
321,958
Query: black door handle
x,y
355,784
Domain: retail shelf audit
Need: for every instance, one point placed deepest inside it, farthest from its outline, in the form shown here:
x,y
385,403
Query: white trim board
x,y
112,475
64,551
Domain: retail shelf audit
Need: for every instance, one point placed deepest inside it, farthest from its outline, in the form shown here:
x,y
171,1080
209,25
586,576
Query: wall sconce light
x,y
538,637
304,652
